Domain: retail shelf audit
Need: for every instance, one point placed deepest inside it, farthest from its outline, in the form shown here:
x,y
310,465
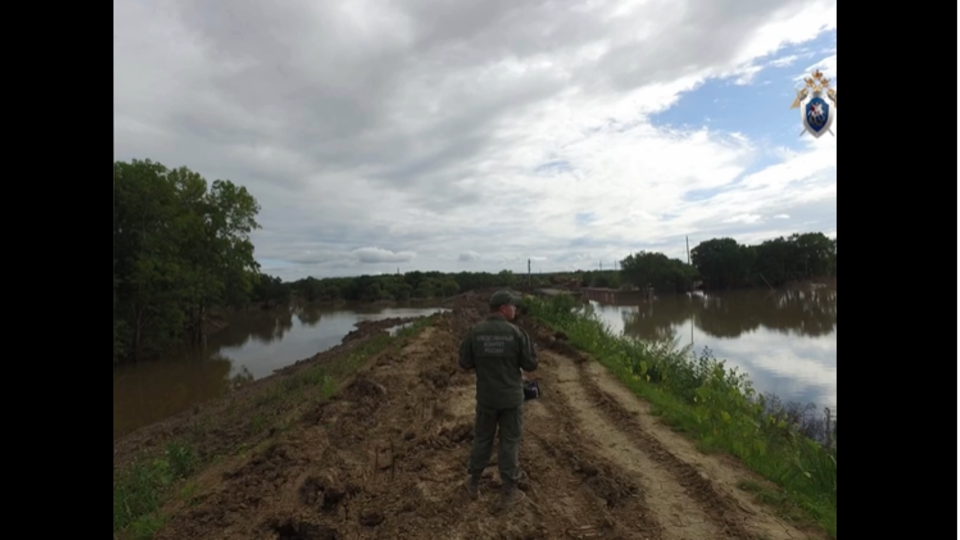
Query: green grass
x,y
784,505
291,387
188,493
714,404
258,423
327,377
141,489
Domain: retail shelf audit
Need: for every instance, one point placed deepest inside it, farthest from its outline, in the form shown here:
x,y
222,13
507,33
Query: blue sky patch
x,y
584,218
701,194
761,109
553,167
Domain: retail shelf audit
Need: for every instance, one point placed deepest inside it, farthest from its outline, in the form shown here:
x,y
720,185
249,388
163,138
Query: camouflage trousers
x,y
510,424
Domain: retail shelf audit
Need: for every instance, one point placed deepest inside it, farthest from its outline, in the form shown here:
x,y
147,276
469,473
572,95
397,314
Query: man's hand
x,y
466,360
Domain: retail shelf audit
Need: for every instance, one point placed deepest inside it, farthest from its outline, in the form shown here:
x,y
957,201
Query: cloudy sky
x,y
473,135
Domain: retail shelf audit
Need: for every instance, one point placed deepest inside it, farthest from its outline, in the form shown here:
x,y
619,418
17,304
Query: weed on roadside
x,y
138,491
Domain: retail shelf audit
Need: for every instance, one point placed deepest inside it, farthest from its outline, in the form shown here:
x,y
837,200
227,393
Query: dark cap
x,y
501,298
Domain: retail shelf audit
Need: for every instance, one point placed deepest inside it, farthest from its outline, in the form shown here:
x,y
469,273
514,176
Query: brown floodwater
x,y
252,346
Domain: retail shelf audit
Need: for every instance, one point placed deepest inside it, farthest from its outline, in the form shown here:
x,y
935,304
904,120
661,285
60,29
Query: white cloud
x,y
744,218
782,216
748,75
784,61
827,66
377,255
432,129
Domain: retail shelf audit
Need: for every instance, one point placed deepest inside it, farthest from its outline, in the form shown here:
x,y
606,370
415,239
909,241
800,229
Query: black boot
x,y
473,486
511,496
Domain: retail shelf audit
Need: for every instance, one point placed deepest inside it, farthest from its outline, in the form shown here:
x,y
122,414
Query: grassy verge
x,y
717,406
139,491
142,488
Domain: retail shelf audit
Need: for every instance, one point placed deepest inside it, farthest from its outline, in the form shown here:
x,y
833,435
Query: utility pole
x,y
601,266
529,274
688,250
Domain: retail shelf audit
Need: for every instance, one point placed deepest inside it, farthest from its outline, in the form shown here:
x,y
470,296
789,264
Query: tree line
x,y
400,287
182,248
724,263
720,263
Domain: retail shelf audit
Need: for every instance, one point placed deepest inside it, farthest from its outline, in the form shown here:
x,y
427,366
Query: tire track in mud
x,y
722,472
616,507
571,494
679,515
580,483
626,432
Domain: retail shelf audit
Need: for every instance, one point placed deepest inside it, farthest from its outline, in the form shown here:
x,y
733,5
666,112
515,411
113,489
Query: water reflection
x,y
155,390
251,346
786,340
728,315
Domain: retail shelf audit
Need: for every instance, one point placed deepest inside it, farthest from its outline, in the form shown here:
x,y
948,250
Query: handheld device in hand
x,y
531,390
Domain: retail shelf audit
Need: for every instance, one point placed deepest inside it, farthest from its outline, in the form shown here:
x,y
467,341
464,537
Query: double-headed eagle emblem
x,y
816,84
817,114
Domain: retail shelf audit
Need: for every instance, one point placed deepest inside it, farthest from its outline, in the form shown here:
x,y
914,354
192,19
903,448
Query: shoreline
x,y
218,317
363,329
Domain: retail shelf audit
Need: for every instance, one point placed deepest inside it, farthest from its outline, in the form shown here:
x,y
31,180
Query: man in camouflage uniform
x,y
498,350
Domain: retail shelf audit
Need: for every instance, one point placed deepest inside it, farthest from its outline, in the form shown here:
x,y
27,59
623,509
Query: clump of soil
x,y
294,529
324,493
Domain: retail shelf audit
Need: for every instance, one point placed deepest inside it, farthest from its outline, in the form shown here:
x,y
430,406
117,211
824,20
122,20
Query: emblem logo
x,y
816,114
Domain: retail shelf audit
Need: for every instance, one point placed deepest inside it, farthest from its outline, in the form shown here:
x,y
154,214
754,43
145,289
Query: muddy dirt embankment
x,y
386,457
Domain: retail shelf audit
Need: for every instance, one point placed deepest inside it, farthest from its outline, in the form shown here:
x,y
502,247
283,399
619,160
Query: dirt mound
x,y
387,459
365,328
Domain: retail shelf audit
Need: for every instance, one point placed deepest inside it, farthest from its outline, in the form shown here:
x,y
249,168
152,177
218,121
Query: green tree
x,y
270,291
179,248
449,287
506,278
655,269
814,252
425,289
217,246
776,261
404,290
723,263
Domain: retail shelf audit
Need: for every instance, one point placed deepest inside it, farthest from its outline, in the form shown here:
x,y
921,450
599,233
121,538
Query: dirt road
x,y
387,460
